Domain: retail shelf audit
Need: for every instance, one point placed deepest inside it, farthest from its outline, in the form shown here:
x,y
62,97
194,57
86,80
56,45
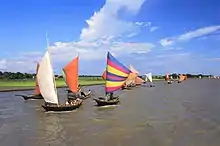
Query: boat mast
x,y
48,49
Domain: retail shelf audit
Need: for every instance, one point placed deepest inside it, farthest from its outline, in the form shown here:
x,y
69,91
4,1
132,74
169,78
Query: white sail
x,y
64,76
149,77
46,80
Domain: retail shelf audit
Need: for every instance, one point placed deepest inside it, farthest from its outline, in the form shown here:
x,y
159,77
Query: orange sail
x,y
130,79
104,75
71,72
139,81
181,78
37,89
133,70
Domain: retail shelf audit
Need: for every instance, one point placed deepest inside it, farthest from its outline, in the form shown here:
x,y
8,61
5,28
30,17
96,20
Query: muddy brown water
x,y
185,114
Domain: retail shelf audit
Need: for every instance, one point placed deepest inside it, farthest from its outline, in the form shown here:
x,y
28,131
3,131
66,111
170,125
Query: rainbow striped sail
x,y
116,74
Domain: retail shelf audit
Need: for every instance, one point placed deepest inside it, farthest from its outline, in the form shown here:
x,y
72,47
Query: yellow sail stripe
x,y
114,84
116,72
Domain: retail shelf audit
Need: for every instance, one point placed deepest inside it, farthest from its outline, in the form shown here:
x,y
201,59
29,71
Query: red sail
x,y
71,72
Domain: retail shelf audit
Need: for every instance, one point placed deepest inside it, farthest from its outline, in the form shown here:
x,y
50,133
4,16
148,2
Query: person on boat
x,y
82,93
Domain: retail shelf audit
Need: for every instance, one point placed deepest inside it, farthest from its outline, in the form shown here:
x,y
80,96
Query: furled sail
x,y
116,74
71,73
149,77
45,80
37,89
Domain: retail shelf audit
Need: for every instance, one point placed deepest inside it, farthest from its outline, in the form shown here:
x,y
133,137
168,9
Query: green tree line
x,y
19,75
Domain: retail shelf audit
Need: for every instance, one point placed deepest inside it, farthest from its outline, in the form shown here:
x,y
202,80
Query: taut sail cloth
x,y
134,70
149,77
37,89
130,79
181,78
139,81
71,73
104,75
167,78
116,74
64,76
45,80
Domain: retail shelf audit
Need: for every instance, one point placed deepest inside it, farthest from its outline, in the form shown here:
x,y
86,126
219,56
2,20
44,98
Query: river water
x,y
185,114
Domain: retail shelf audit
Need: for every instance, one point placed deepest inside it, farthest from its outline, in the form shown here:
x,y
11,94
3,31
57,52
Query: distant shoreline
x,y
11,89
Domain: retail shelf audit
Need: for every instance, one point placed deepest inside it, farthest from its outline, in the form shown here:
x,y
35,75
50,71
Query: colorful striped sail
x,y
116,74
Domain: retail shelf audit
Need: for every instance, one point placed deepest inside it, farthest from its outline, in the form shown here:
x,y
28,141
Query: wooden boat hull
x,y
61,107
169,82
126,88
152,85
27,97
81,97
102,102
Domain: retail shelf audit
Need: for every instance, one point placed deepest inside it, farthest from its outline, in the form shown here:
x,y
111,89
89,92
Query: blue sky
x,y
153,35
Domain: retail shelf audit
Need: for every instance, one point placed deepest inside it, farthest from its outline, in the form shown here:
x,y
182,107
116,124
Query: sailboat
x,y
148,78
181,78
138,81
116,74
48,89
129,82
167,78
36,94
71,76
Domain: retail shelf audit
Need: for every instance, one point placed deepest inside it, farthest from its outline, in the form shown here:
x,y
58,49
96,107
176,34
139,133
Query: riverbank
x,y
25,85
10,85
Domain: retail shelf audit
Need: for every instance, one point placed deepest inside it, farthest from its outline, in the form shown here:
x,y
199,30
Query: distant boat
x,y
181,78
148,78
37,94
48,89
116,74
167,78
71,77
129,82
138,81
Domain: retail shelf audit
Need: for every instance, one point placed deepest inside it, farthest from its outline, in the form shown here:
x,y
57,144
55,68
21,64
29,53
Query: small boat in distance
x,y
167,78
71,77
148,78
129,82
116,74
138,81
181,78
37,94
48,89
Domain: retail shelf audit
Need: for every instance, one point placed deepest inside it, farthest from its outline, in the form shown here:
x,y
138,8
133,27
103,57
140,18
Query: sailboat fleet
x,y
116,75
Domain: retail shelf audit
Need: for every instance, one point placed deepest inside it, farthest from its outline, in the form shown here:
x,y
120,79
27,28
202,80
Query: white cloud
x,y
166,42
154,28
107,23
106,31
172,48
201,32
18,65
96,50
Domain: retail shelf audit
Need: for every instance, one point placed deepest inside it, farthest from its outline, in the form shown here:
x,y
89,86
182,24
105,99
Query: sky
x,y
157,36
